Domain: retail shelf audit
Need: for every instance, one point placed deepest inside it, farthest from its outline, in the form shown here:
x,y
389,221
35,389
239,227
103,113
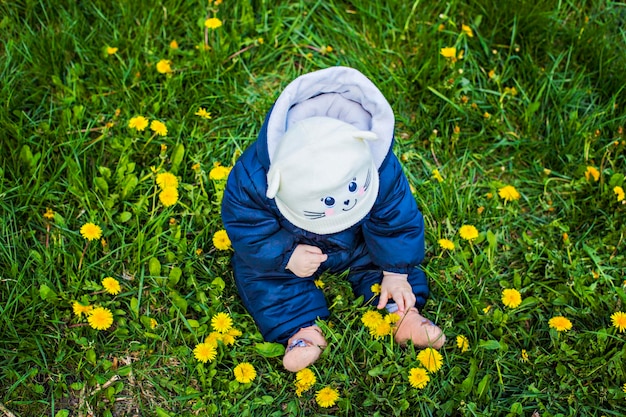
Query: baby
x,y
321,190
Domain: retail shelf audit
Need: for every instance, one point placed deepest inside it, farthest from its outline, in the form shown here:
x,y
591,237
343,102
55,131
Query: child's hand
x,y
396,286
305,260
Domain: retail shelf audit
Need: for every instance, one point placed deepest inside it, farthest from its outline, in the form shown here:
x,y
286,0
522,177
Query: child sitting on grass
x,y
321,190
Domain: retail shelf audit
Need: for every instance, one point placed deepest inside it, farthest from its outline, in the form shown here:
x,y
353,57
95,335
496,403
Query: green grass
x,y
65,145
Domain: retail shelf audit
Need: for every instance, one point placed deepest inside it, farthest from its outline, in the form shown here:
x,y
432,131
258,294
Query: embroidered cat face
x,y
323,177
341,200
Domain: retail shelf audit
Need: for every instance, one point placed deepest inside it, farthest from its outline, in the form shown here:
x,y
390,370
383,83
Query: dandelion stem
x,y
80,264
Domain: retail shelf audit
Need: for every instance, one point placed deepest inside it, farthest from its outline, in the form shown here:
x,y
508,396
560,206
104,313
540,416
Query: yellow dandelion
x,y
212,23
448,53
446,244
305,379
261,41
462,343
164,66
430,359
153,323
523,356
326,397
487,309
80,309
111,285
166,179
418,378
244,373
100,318
205,352
111,50
169,196
221,322
174,44
219,172
619,321
467,30
437,175
592,172
91,231
49,214
158,127
619,192
371,319
138,123
508,193
392,318
560,323
468,232
221,240
511,297
375,289
319,283
203,113
382,329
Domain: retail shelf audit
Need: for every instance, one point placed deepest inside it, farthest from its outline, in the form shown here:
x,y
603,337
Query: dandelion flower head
x,y
430,359
80,309
467,30
169,196
437,175
305,379
49,214
592,172
111,285
371,319
619,192
219,172
164,66
138,123
448,53
205,352
221,322
508,193
203,113
381,329
166,179
511,297
418,378
560,323
212,23
100,318
91,231
446,244
158,127
326,397
111,50
619,320
462,343
468,232
375,289
221,241
244,373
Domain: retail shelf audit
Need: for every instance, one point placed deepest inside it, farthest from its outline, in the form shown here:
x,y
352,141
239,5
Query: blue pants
x,y
281,303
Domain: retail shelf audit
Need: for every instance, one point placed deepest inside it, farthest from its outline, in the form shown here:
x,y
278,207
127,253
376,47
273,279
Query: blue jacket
x,y
391,235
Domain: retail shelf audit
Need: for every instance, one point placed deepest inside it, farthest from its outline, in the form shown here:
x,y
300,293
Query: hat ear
x,y
365,135
273,182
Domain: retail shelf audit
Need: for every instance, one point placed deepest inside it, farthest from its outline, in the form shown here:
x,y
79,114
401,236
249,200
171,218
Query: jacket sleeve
x,y
252,227
394,232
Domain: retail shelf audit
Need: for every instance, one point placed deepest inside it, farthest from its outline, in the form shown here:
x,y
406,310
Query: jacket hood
x,y
338,92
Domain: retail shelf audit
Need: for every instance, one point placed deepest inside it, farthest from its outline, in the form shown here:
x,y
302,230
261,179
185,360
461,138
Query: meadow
x,y
119,122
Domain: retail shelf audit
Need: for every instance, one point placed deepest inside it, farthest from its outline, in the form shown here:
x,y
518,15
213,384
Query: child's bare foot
x,y
418,329
303,348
